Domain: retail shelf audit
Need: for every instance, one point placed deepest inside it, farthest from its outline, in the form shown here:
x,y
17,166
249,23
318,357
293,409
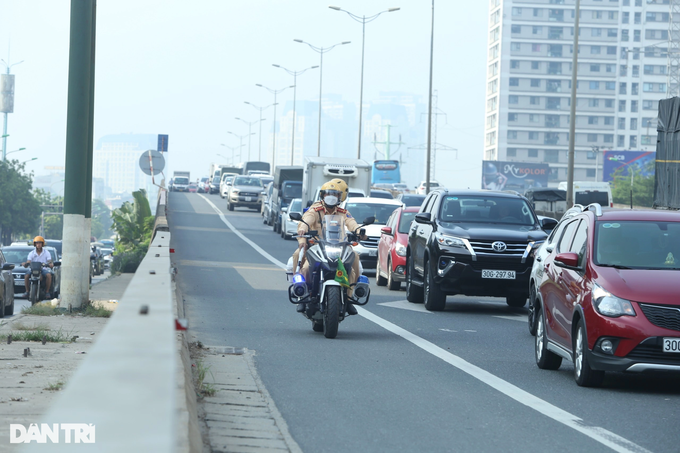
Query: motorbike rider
x,y
332,194
40,255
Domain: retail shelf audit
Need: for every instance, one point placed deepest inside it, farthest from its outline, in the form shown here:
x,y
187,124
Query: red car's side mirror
x,y
567,259
386,230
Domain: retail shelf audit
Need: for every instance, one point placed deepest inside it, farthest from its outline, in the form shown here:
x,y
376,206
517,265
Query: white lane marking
x,y
406,305
512,318
449,330
473,331
601,435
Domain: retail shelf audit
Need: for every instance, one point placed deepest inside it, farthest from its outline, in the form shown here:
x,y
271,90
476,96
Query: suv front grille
x,y
666,317
514,249
371,242
654,353
248,194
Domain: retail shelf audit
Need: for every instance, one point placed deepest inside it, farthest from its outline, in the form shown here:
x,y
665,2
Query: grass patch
x,y
37,335
48,310
201,371
39,326
54,387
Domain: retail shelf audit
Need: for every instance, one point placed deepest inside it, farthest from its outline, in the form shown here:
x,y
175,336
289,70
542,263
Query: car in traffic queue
x,y
391,266
203,185
411,199
267,203
381,209
225,183
193,188
400,187
289,226
537,268
379,193
475,243
17,254
214,185
6,287
245,191
609,297
421,189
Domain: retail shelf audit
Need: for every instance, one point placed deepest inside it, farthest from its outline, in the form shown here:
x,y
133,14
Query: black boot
x,y
351,309
301,308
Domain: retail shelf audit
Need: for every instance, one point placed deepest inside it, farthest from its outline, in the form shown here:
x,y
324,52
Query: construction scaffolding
x,y
674,49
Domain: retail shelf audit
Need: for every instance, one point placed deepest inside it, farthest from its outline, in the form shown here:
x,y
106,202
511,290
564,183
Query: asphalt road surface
x,y
398,378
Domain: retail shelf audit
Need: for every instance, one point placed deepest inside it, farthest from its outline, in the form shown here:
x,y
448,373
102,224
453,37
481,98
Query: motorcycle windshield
x,y
333,229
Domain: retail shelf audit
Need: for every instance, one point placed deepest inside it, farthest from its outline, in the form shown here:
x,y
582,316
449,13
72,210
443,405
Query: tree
x,y
101,219
19,210
133,224
643,186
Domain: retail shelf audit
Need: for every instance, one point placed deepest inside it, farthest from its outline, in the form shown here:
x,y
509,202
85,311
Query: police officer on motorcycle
x,y
332,194
41,255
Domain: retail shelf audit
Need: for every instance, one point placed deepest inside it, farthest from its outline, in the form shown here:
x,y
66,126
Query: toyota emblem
x,y
499,246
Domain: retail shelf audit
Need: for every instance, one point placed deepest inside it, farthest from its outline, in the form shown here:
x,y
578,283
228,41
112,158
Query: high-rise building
x,y
622,74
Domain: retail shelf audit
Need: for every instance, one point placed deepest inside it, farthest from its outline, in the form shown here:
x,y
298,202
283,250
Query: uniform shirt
x,y
44,257
314,218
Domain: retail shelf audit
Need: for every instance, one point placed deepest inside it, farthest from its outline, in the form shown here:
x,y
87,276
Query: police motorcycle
x,y
36,281
330,256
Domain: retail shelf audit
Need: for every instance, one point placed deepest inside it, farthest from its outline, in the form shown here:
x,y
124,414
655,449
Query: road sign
x,y
162,143
156,161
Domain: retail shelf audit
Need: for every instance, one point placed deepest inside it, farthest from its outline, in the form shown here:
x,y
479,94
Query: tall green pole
x,y
78,151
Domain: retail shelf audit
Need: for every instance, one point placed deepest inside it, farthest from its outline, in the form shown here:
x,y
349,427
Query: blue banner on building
x,y
614,160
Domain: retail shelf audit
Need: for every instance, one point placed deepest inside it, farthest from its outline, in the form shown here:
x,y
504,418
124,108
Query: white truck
x,y
318,170
180,181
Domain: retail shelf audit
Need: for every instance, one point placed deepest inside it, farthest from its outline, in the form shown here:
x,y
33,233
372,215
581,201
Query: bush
x,y
128,261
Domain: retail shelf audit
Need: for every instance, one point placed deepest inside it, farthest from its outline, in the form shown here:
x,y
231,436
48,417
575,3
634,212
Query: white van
x,y
586,192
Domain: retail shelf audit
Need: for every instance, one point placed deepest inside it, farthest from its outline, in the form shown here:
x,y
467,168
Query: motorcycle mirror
x,y
362,231
57,263
369,220
295,216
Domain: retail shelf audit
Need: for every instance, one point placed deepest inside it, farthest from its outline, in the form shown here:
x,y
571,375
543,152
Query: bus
x,y
385,172
253,165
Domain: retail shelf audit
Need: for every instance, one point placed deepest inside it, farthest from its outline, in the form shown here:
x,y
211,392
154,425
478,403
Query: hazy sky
x,y
185,68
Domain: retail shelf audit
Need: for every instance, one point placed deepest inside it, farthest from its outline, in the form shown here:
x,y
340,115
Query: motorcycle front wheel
x,y
331,316
33,295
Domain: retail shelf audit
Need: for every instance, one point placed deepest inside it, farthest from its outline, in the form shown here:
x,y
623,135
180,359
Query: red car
x,y
193,188
609,296
391,266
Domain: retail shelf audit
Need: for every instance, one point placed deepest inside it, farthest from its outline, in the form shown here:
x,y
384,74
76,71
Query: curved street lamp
x,y
257,107
250,125
275,93
240,140
294,74
363,20
320,51
4,157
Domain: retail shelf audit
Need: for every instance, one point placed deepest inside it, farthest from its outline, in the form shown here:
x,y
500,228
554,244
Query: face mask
x,y
330,200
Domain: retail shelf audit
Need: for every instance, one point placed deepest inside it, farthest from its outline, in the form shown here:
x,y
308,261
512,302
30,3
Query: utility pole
x,y
572,115
79,133
387,142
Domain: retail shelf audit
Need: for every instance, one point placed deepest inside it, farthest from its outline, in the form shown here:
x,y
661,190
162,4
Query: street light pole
x,y
232,148
240,141
363,20
261,109
320,51
294,74
4,127
250,125
572,115
429,108
275,93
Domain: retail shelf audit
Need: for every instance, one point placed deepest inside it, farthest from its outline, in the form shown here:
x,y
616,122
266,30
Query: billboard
x,y
613,160
519,176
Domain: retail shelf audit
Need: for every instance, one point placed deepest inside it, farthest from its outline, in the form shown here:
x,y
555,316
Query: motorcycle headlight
x,y
609,305
400,249
450,241
333,252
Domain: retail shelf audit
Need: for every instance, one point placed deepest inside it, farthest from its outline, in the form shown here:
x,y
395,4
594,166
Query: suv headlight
x,y
450,241
234,192
608,304
400,249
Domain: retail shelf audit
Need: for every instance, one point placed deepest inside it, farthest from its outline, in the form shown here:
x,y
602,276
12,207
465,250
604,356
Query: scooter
x,y
329,254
